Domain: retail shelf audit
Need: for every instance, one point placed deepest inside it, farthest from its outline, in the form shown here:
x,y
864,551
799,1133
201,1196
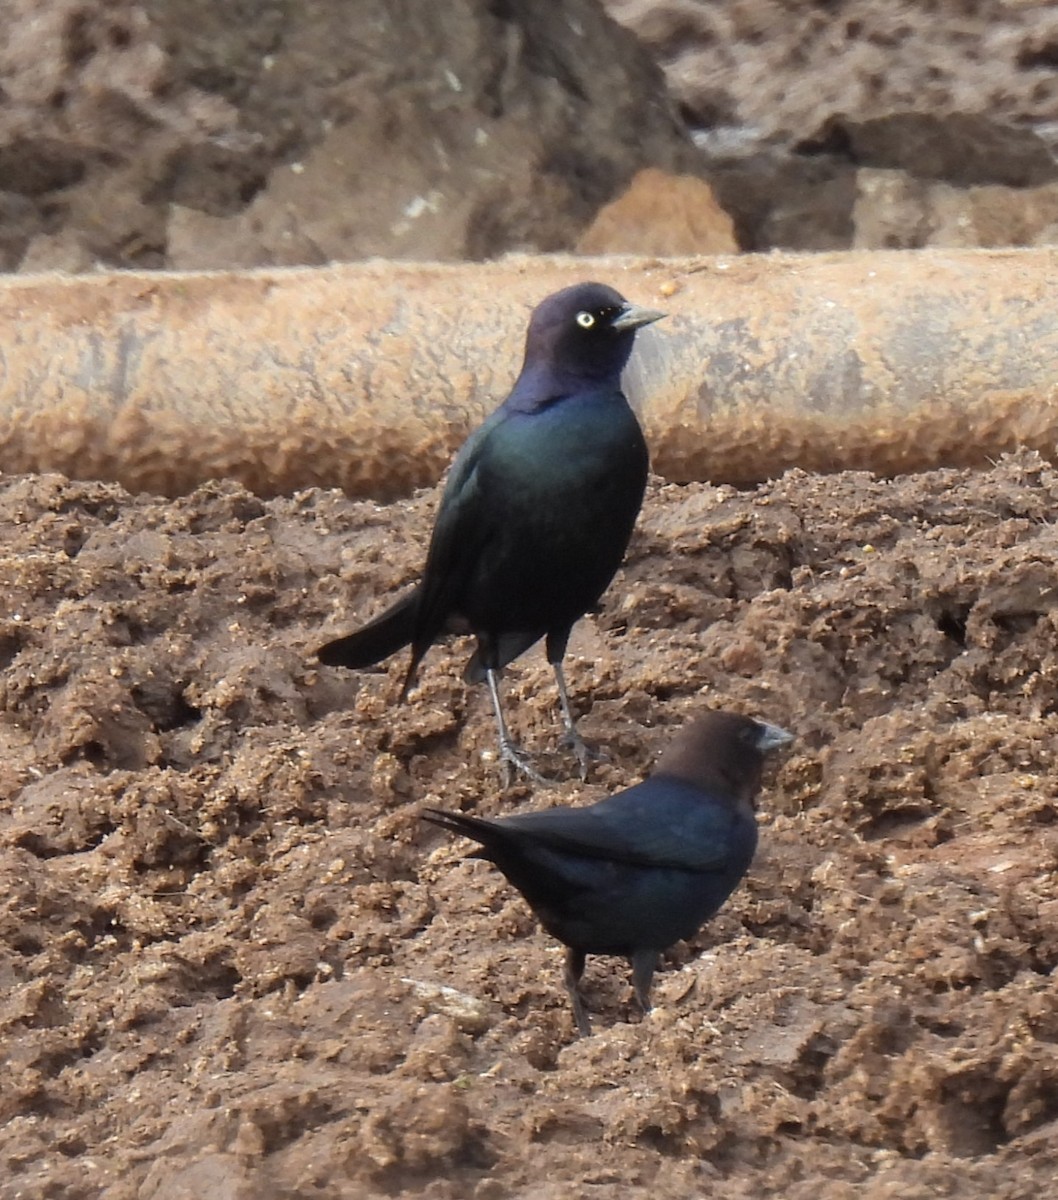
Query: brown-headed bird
x,y
643,868
536,513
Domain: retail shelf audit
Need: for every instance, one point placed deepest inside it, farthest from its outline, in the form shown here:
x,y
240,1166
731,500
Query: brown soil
x,y
187,133
235,965
778,68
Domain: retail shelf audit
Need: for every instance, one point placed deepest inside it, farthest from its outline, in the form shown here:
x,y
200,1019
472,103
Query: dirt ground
x,y
235,965
191,134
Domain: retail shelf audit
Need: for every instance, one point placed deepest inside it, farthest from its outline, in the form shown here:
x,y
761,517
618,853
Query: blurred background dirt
x,y
185,133
235,964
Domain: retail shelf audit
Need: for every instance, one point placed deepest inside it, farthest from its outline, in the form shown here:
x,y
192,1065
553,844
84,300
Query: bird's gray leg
x,y
571,738
511,756
643,964
574,969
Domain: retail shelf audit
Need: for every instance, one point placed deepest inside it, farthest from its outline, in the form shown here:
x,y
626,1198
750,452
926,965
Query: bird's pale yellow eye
x,y
585,320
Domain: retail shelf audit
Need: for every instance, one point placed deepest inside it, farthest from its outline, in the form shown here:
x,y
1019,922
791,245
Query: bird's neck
x,y
540,386
727,785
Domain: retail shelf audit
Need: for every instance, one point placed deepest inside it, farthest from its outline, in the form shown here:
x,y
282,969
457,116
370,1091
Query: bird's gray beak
x,y
634,317
772,737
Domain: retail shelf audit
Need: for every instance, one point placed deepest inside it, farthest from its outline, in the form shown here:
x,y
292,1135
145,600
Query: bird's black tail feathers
x,y
383,636
485,833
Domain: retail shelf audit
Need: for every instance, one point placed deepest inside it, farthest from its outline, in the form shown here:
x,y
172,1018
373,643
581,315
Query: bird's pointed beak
x,y
772,737
634,317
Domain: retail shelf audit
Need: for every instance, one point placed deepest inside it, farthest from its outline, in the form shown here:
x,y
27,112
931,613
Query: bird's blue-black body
x,y
638,871
533,524
537,510
645,867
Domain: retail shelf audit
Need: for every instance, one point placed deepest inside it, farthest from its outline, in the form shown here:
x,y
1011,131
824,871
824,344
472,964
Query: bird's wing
x,y
460,528
659,823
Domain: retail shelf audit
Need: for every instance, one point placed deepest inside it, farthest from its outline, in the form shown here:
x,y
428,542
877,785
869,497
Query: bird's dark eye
x,y
585,320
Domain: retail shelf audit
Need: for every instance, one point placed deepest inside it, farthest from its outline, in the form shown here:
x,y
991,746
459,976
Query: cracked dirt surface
x,y
234,964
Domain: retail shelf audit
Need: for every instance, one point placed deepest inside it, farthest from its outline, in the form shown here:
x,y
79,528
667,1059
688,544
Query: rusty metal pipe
x,y
368,376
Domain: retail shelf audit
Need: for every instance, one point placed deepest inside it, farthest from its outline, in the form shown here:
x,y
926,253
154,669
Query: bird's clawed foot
x,y
585,753
571,739
517,762
514,758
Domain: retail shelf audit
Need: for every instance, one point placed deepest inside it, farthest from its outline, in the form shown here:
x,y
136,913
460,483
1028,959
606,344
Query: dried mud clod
x,y
232,956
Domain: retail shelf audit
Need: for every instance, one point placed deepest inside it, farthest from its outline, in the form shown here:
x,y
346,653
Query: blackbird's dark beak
x,y
772,737
634,317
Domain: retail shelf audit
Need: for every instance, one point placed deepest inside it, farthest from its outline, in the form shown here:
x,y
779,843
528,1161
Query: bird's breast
x,y
577,447
557,491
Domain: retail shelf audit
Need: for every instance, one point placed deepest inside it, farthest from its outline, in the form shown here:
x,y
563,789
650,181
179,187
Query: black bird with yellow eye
x,y
536,512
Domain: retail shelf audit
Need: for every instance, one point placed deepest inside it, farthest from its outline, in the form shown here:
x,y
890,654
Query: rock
x,y
780,199
954,94
894,210
781,69
19,224
484,132
62,251
470,1014
178,133
890,211
664,215
960,148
